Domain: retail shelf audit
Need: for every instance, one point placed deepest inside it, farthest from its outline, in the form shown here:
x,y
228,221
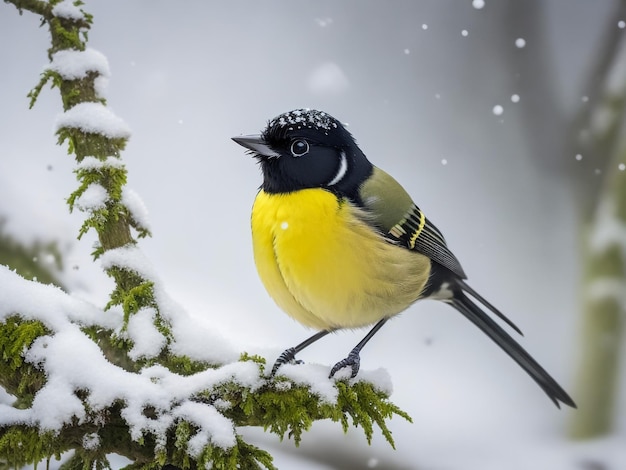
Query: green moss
x,y
243,456
17,377
133,293
46,76
287,409
183,365
367,406
20,446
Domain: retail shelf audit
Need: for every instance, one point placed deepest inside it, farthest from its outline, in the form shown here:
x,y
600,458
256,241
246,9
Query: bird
x,y
339,244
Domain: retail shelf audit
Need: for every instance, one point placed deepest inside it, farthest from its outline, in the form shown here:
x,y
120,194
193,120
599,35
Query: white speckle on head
x,y
498,110
520,43
284,225
343,169
309,118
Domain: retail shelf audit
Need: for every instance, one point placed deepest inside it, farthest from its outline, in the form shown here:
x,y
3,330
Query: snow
x,y
91,441
520,43
74,65
130,258
515,98
27,297
67,9
94,197
478,4
608,229
189,339
607,288
136,206
219,430
617,74
498,110
464,33
94,118
147,339
315,377
93,163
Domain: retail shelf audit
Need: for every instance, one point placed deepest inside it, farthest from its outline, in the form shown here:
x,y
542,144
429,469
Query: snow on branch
x,y
81,396
139,377
68,9
93,118
72,362
73,65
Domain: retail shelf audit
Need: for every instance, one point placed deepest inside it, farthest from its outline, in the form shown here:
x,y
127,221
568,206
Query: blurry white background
x,y
419,84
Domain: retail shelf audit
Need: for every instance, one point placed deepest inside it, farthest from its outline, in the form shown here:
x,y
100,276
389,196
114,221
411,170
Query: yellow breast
x,y
325,267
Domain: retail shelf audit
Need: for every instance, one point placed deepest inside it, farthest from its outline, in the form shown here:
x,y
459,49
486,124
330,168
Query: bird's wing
x,y
401,221
418,233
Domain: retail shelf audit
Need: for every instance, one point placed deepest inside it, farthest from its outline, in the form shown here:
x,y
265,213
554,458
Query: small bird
x,y
338,243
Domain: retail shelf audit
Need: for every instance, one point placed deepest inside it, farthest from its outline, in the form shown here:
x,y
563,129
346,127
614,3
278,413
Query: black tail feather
x,y
477,316
483,301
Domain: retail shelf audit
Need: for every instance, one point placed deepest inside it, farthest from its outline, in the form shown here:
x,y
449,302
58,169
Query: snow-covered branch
x,y
138,377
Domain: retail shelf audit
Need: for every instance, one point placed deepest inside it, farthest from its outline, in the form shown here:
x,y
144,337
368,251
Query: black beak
x,y
256,144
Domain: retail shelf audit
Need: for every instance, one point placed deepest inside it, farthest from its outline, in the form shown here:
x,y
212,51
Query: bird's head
x,y
305,148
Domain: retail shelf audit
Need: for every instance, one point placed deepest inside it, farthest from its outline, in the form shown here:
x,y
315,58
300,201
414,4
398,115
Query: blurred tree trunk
x,y
604,304
601,134
598,183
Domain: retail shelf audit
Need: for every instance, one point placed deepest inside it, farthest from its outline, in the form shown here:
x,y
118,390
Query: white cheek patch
x,y
343,169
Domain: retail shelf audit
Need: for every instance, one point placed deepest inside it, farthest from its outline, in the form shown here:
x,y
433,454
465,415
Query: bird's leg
x,y
354,359
289,354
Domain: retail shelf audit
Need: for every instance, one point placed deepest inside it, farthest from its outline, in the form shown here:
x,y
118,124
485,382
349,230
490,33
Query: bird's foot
x,y
288,356
353,360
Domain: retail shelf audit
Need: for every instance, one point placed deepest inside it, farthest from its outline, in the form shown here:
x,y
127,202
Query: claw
x,y
288,356
353,360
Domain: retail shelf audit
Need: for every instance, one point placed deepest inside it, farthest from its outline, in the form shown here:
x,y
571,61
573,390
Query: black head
x,y
305,148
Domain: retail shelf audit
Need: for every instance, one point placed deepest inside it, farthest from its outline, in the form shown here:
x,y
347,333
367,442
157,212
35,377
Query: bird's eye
x,y
299,147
